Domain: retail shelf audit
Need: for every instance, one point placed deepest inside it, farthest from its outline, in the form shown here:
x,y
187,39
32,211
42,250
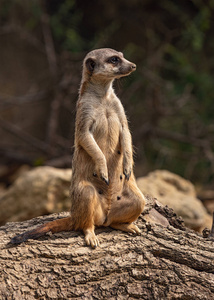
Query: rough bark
x,y
165,262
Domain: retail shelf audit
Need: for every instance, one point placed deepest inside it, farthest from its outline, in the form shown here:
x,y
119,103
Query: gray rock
x,y
179,194
40,191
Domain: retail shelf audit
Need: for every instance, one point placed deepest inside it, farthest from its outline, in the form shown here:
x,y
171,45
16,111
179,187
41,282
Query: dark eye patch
x,y
90,64
114,60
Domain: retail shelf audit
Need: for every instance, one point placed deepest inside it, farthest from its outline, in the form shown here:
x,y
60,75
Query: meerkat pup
x,y
103,187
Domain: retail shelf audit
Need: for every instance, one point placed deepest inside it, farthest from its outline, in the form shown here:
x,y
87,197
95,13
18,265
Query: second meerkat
x,y
103,187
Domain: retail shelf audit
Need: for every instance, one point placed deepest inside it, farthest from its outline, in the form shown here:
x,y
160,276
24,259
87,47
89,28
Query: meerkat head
x,y
107,64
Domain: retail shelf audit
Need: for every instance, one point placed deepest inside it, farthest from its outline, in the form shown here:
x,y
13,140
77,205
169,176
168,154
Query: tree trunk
x,y
165,262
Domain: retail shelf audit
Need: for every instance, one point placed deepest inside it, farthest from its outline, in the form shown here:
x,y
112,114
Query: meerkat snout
x,y
125,68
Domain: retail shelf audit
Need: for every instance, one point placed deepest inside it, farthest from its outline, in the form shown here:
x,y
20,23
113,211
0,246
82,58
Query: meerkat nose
x,y
134,66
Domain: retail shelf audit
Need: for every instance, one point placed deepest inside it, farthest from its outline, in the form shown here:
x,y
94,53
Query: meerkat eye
x,y
114,59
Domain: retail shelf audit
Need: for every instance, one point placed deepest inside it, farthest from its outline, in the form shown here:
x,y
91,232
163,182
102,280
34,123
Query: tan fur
x,y
103,186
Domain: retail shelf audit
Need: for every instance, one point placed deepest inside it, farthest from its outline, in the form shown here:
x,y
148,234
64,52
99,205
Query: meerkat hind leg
x,y
89,212
126,210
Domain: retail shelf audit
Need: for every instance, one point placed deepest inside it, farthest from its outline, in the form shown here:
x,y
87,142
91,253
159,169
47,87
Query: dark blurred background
x,y
169,99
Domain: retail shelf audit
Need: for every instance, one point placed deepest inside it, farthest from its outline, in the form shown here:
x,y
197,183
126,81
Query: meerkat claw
x,y
127,175
91,239
105,180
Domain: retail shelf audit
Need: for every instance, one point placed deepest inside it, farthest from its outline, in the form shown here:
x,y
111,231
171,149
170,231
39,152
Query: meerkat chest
x,y
107,124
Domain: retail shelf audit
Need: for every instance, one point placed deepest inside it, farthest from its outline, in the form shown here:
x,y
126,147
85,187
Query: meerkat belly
x,y
106,131
108,138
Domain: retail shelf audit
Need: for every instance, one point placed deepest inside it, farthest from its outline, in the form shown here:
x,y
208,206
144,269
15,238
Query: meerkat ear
x,y
90,65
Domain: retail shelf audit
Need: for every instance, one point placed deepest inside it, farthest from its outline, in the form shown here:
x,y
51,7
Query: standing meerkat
x,y
103,187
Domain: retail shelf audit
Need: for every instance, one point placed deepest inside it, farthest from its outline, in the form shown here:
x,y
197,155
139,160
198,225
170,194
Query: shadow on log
x,y
168,261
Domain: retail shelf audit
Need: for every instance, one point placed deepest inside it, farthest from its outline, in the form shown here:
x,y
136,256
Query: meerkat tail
x,y
64,224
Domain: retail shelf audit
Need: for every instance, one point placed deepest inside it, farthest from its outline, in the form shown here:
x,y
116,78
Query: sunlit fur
x,y
103,186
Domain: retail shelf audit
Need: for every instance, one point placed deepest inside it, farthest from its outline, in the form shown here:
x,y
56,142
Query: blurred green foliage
x,y
170,97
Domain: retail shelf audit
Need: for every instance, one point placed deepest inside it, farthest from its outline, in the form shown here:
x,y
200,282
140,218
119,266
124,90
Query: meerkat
x,y
103,187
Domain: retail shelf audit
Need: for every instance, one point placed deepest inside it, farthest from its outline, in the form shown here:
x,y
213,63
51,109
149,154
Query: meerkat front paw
x,y
127,170
102,172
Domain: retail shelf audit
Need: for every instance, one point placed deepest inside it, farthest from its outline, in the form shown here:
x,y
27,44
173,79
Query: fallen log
x,y
168,261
